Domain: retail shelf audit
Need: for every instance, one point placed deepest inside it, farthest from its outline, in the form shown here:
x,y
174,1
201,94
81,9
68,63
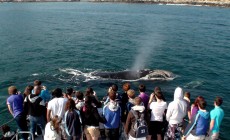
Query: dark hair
x,y
142,88
126,86
159,95
199,98
57,93
202,104
114,87
28,89
187,94
89,91
79,95
156,89
70,105
69,90
218,101
5,128
88,105
37,90
37,83
112,95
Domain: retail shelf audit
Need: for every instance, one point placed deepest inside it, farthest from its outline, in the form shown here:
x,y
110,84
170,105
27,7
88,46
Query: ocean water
x,y
60,43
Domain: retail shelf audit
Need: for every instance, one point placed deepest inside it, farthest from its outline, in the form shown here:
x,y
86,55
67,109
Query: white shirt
x,y
57,107
51,134
158,109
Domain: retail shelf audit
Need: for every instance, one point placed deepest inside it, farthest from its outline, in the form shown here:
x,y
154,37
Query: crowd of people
x,y
133,115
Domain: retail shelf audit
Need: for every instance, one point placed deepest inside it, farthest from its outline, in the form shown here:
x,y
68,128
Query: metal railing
x,y
23,132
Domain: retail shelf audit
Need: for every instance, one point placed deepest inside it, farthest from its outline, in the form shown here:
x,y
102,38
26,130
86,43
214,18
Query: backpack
x,y
140,126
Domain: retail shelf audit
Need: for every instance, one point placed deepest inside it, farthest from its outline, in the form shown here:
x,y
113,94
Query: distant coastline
x,y
217,3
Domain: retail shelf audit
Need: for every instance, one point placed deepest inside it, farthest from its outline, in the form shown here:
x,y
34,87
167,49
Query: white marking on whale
x,y
137,75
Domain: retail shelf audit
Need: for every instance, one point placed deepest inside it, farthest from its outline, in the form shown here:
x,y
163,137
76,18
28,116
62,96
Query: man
x,y
187,100
15,107
124,100
57,105
176,112
131,125
34,105
45,95
112,113
144,97
217,115
69,92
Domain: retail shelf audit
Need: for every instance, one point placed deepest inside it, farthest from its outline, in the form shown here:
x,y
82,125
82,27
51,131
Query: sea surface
x,y
61,43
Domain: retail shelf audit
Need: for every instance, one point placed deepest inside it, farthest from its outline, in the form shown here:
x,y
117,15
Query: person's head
x,y
131,93
198,99
37,90
114,87
28,90
126,87
156,89
88,100
79,95
137,101
159,95
55,123
12,90
202,104
37,83
5,129
57,93
70,105
69,91
218,101
142,88
187,94
178,93
112,95
89,91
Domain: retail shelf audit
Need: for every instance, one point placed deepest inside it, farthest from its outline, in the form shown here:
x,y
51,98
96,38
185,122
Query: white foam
x,y
35,74
71,71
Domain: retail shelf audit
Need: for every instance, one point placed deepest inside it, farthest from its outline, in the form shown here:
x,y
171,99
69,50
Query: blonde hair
x,y
131,93
12,90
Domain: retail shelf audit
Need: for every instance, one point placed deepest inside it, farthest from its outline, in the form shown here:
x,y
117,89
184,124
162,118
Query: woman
x,y
72,121
28,91
91,93
194,106
158,110
91,119
53,130
152,96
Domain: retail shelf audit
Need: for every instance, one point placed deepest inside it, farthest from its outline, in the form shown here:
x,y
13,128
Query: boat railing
x,y
23,132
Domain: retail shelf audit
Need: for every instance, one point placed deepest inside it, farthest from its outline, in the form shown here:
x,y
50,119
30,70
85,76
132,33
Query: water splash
x,y
148,45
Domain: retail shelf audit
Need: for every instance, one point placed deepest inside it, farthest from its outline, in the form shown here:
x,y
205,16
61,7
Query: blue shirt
x,y
16,103
217,114
45,95
112,117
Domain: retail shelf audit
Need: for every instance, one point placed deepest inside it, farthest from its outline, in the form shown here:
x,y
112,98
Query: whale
x,y
145,74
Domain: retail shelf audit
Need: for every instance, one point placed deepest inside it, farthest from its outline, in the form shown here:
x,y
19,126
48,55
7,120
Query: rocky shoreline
x,y
217,3
220,3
